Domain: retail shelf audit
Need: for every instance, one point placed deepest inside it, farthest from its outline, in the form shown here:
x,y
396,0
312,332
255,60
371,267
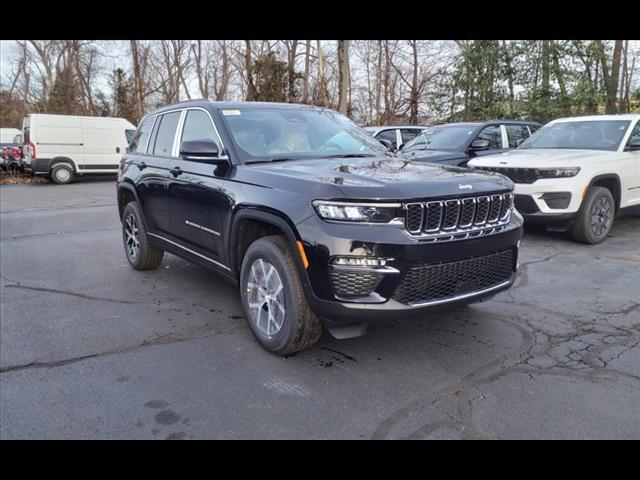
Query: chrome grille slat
x,y
458,218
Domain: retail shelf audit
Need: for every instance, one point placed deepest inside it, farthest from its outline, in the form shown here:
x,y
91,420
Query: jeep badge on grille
x,y
465,187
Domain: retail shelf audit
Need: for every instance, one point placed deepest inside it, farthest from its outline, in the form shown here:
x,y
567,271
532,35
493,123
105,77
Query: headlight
x,y
557,172
359,212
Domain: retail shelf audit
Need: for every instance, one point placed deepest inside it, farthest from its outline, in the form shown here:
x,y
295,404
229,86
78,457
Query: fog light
x,y
360,261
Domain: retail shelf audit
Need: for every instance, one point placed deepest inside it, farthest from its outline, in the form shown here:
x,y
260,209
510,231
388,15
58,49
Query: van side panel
x,y
104,144
57,137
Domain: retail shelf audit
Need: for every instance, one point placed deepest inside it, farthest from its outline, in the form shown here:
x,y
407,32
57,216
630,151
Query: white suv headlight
x,y
557,172
358,212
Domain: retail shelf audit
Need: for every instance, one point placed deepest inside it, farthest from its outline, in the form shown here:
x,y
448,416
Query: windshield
x,y
296,133
585,135
449,137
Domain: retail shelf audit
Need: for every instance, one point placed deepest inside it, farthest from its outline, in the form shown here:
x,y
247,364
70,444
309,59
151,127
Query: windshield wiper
x,y
349,155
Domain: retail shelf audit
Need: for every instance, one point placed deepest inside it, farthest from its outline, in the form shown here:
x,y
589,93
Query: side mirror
x,y
200,151
479,145
519,142
634,145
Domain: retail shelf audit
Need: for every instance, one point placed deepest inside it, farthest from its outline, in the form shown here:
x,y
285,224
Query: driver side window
x,y
493,134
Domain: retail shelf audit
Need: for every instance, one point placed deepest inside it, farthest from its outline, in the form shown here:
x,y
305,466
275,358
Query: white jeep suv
x,y
575,173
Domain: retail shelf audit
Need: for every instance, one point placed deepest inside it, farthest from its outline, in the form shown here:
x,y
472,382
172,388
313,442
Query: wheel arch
x,y
57,160
249,224
611,181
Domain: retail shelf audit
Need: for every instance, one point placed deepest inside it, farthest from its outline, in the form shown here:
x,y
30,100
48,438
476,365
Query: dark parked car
x,y
457,143
314,219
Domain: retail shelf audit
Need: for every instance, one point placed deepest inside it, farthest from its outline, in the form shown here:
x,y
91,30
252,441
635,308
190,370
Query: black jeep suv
x,y
313,218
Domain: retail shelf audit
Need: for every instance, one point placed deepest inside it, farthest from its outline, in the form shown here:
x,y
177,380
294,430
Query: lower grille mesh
x,y
423,283
354,284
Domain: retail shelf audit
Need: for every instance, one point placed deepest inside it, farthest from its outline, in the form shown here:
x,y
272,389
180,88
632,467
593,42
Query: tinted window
x,y
636,133
387,135
138,143
129,135
409,134
198,126
493,134
586,135
515,133
418,143
533,128
166,132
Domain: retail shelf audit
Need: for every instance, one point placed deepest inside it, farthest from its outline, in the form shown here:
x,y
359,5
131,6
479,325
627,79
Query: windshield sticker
x,y
231,112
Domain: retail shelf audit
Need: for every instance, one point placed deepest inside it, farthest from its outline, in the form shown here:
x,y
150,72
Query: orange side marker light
x,y
303,255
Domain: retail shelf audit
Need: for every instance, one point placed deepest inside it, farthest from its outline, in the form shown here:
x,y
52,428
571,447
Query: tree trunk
x,y
324,93
378,83
343,75
248,65
413,116
137,81
291,71
305,81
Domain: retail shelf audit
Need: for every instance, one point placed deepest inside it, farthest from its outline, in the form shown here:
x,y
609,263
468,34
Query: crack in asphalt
x,y
49,234
58,207
581,359
194,333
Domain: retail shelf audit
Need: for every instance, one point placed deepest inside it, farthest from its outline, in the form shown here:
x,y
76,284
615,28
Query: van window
x,y
198,126
166,133
128,133
138,143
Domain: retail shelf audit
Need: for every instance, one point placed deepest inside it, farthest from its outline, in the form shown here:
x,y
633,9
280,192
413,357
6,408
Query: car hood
x,y
431,155
542,158
383,178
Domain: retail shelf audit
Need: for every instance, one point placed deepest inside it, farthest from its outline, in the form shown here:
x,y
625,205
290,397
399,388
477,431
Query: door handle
x,y
175,171
141,165
117,149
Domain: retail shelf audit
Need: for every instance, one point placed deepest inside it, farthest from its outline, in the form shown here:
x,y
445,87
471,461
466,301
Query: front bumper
x,y
404,256
543,189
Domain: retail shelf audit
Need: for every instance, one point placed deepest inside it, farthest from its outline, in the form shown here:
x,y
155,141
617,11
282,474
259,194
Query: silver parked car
x,y
397,135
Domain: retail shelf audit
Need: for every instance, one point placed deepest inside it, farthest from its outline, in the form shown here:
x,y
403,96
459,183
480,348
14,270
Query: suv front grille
x,y
460,217
432,282
516,175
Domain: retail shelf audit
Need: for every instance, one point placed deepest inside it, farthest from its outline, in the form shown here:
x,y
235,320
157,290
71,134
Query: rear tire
x,y
139,252
273,298
595,217
62,174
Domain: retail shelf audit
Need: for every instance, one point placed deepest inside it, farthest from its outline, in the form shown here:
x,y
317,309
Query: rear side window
x,y
409,134
166,132
493,133
533,128
128,133
515,133
198,126
138,143
636,132
387,135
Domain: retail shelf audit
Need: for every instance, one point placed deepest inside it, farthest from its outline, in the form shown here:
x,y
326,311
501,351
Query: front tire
x,y
273,298
140,253
62,174
595,217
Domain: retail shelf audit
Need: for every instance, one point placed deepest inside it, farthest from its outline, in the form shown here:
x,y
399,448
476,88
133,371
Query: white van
x,y
66,145
10,135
